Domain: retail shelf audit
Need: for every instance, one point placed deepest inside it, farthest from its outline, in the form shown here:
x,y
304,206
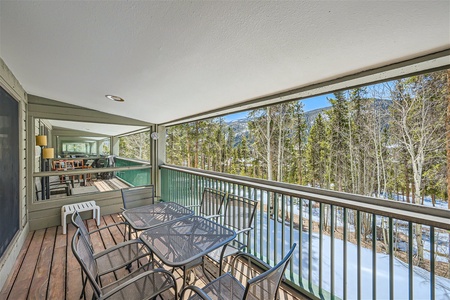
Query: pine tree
x,y
317,154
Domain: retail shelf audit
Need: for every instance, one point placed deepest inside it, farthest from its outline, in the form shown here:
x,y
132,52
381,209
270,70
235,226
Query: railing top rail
x,y
138,161
89,171
399,210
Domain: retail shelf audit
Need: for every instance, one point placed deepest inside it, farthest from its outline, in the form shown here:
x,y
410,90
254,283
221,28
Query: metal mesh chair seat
x,y
232,248
227,287
145,282
122,254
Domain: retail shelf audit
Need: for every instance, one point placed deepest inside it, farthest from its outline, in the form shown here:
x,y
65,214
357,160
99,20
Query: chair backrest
x,y
85,257
212,201
78,222
239,212
265,285
138,196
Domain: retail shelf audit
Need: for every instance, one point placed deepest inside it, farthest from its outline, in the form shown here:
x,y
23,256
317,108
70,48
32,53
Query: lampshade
x,y
48,153
41,140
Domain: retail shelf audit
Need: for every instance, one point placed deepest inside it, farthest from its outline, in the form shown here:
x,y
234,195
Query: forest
x,y
388,140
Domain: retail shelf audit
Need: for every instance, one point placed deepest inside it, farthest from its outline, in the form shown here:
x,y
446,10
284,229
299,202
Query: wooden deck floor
x,y
47,269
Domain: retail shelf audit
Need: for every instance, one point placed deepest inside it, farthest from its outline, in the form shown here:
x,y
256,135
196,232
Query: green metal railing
x,y
133,177
350,246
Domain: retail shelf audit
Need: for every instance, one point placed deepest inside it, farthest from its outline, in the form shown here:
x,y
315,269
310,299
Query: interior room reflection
x,y
73,149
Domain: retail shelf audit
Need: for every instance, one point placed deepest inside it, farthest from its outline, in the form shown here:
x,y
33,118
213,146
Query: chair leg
x,y
84,280
205,271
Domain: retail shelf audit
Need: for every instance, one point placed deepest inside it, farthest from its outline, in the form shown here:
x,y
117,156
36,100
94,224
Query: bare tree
x,y
418,113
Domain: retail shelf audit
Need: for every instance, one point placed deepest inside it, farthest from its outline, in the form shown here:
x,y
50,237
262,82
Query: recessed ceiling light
x,y
114,98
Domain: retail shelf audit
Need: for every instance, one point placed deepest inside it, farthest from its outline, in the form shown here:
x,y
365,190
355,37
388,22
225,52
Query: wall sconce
x,y
48,153
41,140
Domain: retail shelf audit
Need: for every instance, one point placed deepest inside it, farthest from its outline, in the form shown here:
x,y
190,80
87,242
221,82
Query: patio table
x,y
183,243
147,216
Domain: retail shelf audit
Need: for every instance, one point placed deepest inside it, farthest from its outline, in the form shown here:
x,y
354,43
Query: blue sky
x,y
309,104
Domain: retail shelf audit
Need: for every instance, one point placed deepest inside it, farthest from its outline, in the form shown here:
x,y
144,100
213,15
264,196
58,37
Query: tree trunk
x,y
408,199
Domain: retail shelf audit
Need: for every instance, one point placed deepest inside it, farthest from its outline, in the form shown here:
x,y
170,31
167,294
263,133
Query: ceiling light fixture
x,y
114,98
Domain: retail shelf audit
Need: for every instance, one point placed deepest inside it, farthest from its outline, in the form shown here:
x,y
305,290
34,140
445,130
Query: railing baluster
x,y
275,227
300,241
261,225
291,234
345,254
310,253
432,265
283,227
269,240
332,250
256,224
391,260
358,244
320,247
374,256
410,260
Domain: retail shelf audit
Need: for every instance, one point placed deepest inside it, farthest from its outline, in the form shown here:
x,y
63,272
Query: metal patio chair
x,y
122,255
263,286
138,196
146,282
238,215
135,197
211,203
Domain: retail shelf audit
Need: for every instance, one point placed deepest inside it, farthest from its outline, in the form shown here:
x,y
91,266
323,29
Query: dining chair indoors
x,y
145,282
227,286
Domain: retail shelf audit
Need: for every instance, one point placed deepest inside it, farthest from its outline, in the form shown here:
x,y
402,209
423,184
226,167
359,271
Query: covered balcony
x,y
165,64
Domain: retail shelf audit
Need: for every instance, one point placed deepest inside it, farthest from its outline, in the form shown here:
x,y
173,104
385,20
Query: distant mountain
x,y
310,116
240,128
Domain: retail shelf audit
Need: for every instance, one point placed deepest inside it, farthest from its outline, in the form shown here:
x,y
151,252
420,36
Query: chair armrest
x,y
106,227
195,289
121,245
143,276
189,206
250,257
244,230
139,254
213,216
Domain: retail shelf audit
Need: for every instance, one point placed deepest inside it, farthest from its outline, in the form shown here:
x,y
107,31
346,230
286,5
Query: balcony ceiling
x,y
170,60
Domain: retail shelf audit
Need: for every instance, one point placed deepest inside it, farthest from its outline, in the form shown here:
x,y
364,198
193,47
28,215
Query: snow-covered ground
x,y
421,277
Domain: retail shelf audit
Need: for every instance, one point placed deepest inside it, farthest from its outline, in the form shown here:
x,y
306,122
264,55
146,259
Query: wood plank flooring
x,y
47,269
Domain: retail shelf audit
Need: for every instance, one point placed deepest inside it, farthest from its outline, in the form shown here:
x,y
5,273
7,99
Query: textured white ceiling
x,y
173,59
